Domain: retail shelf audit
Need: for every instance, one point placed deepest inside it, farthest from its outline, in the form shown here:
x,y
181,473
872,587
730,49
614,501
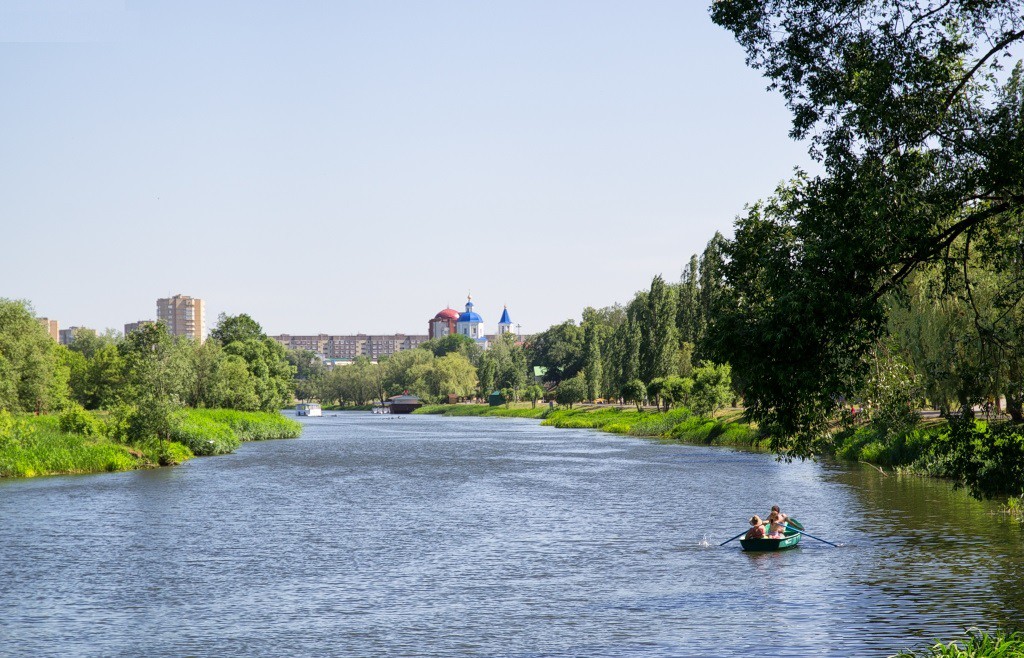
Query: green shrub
x,y
76,420
252,425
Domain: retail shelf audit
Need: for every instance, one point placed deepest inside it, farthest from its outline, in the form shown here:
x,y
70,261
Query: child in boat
x,y
776,525
757,529
783,517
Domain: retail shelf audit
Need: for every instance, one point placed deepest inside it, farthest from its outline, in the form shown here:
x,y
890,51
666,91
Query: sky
x,y
342,167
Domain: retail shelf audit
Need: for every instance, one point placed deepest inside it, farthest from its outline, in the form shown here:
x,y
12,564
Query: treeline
x,y
655,348
454,365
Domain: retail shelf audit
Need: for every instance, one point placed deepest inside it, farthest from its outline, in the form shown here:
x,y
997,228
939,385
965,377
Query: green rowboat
x,y
790,539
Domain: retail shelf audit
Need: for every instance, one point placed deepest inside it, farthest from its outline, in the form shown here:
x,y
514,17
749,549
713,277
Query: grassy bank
x,y
84,442
31,446
678,424
514,411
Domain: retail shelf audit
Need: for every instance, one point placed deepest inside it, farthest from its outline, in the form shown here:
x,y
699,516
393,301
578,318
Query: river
x,y
430,536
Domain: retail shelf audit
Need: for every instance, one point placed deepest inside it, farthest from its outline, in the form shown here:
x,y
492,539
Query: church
x,y
468,323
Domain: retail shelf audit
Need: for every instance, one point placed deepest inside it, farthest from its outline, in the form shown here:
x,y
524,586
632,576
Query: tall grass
x,y
482,410
978,644
78,441
251,425
31,446
203,435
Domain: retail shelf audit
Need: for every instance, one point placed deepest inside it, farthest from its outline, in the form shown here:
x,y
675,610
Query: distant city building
x,y
67,336
443,324
183,315
347,348
52,327
135,326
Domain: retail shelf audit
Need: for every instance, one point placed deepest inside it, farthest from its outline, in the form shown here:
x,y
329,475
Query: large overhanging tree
x,y
919,126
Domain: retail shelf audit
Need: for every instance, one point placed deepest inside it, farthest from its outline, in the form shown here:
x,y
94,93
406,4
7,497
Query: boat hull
x,y
790,540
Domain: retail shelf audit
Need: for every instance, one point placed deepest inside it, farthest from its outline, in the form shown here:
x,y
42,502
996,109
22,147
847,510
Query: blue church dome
x,y
470,316
504,317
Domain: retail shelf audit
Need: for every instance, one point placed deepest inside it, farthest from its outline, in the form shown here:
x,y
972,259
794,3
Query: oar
x,y
807,535
736,537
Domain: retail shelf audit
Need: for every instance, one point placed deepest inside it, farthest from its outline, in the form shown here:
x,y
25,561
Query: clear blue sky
x,y
356,166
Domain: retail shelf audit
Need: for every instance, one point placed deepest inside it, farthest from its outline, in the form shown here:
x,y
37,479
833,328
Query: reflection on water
x,y
435,536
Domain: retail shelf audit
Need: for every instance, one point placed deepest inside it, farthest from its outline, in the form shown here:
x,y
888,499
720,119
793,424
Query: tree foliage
x,y
920,146
33,372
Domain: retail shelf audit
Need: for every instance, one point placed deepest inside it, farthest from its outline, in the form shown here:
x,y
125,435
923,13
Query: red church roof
x,y
447,314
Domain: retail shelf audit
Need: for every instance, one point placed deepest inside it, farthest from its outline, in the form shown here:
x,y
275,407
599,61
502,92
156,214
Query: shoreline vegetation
x,y
726,429
80,442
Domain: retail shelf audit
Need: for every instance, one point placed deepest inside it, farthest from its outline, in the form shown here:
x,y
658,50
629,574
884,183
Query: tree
x,y
99,382
676,391
634,391
232,385
533,392
407,371
654,390
152,382
452,374
712,388
33,373
87,342
559,349
266,359
658,339
456,343
309,371
571,391
595,333
236,328
690,321
917,151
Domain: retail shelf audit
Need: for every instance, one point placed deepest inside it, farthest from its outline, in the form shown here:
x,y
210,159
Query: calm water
x,y
429,536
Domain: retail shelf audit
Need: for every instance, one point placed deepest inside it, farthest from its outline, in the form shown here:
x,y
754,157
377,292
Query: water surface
x,y
429,536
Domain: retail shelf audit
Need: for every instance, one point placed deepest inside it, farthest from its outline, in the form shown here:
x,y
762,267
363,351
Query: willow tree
x,y
920,137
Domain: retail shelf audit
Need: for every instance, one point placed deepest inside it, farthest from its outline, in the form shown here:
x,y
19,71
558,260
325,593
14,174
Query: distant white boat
x,y
378,409
308,409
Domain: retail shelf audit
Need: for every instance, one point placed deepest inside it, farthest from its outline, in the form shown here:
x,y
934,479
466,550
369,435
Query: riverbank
x,y
85,442
726,429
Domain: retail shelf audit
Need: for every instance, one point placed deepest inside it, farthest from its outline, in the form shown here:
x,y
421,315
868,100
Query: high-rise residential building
x,y
183,315
52,327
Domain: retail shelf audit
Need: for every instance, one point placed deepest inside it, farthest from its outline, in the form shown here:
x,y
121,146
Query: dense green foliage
x,y
152,391
918,206
33,369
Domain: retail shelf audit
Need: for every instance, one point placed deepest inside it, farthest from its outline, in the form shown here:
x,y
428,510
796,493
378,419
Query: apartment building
x,y
347,348
183,315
